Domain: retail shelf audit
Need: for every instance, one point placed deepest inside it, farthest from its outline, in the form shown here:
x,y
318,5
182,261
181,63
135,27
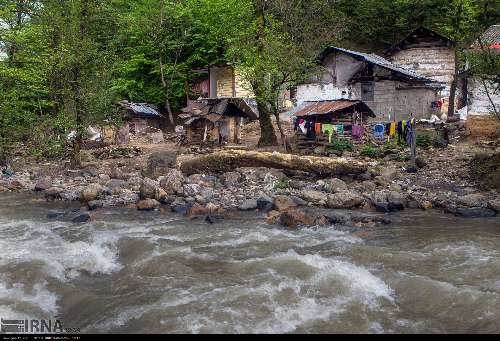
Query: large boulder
x,y
231,178
396,201
197,210
43,184
473,200
284,203
148,205
92,192
315,197
475,212
192,190
173,182
345,199
248,205
159,164
148,188
335,185
295,218
53,193
15,185
494,205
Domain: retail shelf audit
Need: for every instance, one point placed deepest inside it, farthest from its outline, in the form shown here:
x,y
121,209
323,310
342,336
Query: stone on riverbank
x,y
283,203
43,185
92,192
295,218
248,205
475,212
148,188
344,199
148,205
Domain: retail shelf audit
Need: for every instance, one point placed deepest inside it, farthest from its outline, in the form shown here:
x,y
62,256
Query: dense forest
x,y
65,64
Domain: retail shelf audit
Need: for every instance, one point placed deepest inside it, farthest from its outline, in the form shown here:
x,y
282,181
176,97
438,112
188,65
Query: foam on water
x,y
39,297
63,259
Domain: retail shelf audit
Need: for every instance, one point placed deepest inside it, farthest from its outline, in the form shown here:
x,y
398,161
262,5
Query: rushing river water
x,y
131,272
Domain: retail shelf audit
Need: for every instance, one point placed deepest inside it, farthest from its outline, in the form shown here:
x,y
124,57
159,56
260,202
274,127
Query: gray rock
x,y
248,205
81,218
231,178
475,212
314,196
494,205
43,185
94,205
173,182
344,199
53,193
56,214
160,163
335,185
92,192
115,183
148,205
192,190
473,200
298,201
148,189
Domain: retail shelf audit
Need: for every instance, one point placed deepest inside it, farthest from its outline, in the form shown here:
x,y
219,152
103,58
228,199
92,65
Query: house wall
x,y
437,63
480,122
222,80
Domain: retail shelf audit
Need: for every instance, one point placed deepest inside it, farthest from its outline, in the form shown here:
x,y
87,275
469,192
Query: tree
x,y
81,57
278,49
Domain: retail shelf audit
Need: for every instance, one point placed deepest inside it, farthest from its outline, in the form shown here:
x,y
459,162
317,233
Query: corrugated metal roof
x,y
491,36
328,107
142,109
379,61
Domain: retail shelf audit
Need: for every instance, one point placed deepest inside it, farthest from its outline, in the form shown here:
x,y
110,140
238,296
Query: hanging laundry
x,y
340,129
302,126
317,128
310,130
392,129
409,132
388,129
378,131
357,131
328,129
400,131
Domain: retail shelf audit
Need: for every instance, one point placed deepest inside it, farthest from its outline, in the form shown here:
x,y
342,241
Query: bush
x,y
341,145
424,140
281,184
369,151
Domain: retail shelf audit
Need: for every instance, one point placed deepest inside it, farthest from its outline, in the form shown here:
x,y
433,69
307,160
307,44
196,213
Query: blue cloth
x,y
409,132
378,131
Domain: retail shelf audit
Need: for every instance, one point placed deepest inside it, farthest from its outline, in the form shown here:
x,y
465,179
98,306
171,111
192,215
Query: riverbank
x,y
148,178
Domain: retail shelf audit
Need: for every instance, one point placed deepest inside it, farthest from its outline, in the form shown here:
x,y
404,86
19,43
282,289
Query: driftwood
x,y
229,160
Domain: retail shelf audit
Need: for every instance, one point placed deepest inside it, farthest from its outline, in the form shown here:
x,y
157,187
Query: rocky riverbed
x,y
287,199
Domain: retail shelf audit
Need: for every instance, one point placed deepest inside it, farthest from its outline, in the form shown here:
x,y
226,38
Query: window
x,y
367,90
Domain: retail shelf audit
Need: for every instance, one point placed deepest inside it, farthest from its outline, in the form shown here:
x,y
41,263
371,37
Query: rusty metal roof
x,y
330,107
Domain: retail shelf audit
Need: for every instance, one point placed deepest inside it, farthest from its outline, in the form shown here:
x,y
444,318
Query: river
x,y
133,272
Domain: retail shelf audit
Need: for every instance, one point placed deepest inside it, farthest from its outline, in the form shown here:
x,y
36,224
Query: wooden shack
x,y
217,120
346,113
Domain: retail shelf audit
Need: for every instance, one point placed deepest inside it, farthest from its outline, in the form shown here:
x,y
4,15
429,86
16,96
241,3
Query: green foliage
x,y
281,184
424,140
369,150
341,145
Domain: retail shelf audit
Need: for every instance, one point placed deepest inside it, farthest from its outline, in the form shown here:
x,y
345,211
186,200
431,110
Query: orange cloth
x,y
317,128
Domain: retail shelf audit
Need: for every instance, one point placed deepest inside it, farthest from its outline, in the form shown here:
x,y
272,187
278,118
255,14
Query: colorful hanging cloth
x,y
340,129
357,131
378,131
392,129
328,129
317,128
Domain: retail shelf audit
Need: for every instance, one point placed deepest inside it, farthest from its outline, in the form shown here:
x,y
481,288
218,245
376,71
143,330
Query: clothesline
x,y
379,130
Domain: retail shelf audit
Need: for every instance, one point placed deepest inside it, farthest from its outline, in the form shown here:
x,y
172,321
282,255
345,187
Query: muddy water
x,y
157,273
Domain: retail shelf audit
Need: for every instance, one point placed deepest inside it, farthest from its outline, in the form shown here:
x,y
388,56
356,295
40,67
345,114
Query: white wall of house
x,y
436,63
479,104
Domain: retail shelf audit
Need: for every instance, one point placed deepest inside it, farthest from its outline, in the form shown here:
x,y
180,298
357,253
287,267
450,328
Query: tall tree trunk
x,y
453,88
267,134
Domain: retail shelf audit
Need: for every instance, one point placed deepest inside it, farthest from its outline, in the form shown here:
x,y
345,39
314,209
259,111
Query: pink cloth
x,y
357,131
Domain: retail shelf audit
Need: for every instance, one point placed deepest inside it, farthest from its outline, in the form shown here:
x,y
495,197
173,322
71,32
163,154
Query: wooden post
x,y
413,147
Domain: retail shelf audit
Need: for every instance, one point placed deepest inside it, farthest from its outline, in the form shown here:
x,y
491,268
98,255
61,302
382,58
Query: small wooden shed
x,y
217,119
